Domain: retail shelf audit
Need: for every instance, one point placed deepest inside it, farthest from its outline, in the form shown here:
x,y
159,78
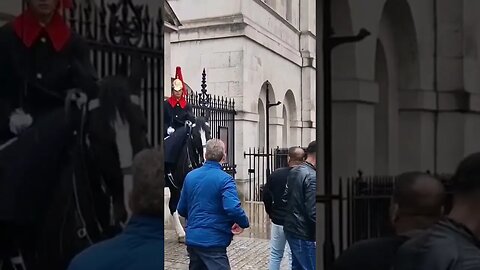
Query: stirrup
x,y
172,180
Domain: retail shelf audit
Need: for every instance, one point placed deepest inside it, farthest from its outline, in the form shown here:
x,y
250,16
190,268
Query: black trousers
x,y
30,166
208,258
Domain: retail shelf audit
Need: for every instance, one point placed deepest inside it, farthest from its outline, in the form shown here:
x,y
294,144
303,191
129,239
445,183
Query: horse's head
x,y
201,133
116,132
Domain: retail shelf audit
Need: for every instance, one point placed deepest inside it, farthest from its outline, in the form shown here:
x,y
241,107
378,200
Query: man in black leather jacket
x,y
276,208
453,243
300,220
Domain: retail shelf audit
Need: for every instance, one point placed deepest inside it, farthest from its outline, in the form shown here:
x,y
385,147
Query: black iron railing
x,y
117,33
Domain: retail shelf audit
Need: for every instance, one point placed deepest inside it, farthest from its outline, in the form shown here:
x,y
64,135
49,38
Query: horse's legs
x,y
172,204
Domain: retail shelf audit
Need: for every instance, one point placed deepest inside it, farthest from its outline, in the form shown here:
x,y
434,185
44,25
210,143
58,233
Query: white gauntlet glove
x,y
19,121
170,130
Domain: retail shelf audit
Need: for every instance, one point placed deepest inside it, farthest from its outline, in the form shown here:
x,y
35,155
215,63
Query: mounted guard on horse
x,y
42,60
178,120
185,140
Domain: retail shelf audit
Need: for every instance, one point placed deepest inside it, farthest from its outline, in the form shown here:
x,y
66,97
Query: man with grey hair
x,y
141,245
209,201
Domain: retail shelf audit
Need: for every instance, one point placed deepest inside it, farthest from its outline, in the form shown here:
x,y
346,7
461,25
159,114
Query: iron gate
x,y
257,165
220,112
363,209
117,33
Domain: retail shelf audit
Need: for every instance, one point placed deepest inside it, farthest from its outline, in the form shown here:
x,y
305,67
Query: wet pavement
x,y
248,251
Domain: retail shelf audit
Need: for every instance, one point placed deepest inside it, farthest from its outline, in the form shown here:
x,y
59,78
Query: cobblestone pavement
x,y
244,253
248,251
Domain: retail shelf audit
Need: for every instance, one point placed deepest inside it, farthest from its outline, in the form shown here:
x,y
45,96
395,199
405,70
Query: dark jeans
x,y
208,258
303,253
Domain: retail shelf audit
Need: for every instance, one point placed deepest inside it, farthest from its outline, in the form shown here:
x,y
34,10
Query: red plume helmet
x,y
178,84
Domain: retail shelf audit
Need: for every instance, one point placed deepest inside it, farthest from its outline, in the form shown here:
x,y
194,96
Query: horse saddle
x,y
174,144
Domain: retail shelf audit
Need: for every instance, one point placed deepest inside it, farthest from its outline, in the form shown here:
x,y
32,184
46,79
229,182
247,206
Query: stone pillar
x,y
245,122
353,127
416,131
452,97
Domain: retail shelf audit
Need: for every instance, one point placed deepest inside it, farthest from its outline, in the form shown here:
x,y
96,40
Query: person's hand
x,y
236,229
170,130
19,121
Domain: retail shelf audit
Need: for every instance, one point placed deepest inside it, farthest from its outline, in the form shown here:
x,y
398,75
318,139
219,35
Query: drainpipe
x,y
301,71
435,86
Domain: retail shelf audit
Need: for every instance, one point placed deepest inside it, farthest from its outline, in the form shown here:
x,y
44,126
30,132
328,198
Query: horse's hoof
x,y
181,239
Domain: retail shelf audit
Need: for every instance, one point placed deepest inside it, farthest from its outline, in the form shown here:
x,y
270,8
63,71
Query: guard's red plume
x,y
178,75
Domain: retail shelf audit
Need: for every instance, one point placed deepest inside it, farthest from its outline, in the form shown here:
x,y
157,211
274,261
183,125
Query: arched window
x,y
286,128
261,124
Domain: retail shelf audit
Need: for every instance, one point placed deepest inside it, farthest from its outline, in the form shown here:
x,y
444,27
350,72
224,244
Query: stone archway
x,y
261,124
343,57
292,129
397,72
275,127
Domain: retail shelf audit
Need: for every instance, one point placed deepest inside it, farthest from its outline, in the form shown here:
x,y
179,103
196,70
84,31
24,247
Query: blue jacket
x,y
140,246
209,201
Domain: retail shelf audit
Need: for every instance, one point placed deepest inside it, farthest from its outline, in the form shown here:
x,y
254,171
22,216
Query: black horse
x,y
88,203
190,156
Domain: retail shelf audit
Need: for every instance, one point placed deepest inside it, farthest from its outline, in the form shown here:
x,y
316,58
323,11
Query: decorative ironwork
x,y
125,24
205,99
119,23
117,33
220,112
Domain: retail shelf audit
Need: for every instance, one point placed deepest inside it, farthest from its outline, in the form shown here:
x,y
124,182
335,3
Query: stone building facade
x,y
243,46
407,97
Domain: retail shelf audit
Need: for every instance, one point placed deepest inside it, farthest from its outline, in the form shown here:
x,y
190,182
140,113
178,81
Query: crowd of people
x,y
426,237
32,110
289,198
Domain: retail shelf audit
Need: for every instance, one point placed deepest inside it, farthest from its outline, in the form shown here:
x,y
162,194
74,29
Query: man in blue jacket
x,y
141,245
209,201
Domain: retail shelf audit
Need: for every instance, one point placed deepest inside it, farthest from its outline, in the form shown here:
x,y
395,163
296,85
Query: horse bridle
x,y
81,99
95,104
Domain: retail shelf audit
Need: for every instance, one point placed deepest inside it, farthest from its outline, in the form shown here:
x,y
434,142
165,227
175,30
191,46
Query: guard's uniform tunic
x,y
176,117
37,75
38,66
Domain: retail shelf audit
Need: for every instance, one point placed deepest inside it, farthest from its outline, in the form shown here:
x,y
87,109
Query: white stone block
x,y
236,58
223,74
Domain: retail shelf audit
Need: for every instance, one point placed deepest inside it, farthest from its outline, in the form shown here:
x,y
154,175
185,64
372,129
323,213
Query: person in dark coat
x,y
276,208
300,220
177,112
417,203
141,244
453,243
41,59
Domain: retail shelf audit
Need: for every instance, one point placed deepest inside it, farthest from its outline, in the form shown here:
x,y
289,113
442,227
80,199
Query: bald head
x,y
296,155
418,196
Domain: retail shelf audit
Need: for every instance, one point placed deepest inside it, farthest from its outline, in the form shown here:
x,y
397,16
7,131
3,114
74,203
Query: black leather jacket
x,y
448,245
300,199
